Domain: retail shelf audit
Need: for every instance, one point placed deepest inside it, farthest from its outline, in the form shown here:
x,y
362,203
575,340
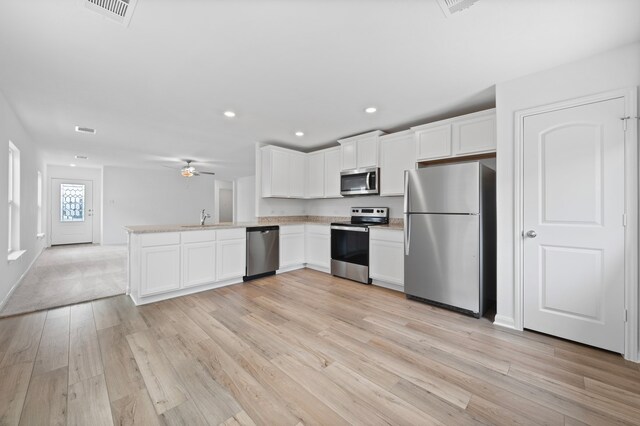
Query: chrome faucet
x,y
203,216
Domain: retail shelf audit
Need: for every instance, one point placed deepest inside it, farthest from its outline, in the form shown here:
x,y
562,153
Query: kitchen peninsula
x,y
166,261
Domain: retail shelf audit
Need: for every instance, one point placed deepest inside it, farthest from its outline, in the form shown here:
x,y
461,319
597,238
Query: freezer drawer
x,y
442,259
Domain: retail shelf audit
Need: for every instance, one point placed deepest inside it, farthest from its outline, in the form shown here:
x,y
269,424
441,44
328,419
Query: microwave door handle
x,y
368,178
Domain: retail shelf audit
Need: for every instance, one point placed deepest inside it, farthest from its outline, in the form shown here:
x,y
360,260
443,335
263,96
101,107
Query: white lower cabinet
x,y
231,254
318,246
159,269
171,264
386,257
198,258
292,250
159,263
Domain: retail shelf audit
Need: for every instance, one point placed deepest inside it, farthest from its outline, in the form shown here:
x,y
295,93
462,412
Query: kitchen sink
x,y
199,226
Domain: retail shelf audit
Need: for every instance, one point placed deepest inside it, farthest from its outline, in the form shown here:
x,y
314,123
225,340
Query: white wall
x,y
341,206
616,69
218,201
150,197
84,173
30,164
245,202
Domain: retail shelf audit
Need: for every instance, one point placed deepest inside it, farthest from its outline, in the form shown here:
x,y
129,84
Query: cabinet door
x,y
296,175
198,263
231,259
315,175
367,152
279,173
318,245
160,269
349,155
397,155
332,173
387,261
434,142
291,250
476,135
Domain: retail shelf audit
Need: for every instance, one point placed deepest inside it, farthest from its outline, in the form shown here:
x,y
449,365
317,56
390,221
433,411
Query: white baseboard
x,y
290,268
318,268
504,322
390,286
17,283
183,292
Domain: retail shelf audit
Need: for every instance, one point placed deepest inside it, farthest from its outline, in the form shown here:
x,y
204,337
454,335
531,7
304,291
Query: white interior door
x,y
574,201
71,211
225,205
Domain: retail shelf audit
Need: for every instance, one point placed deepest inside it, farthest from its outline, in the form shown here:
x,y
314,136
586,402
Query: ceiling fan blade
x,y
207,173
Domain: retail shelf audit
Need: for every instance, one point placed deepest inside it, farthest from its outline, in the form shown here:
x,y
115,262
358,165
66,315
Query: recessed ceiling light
x,y
81,157
370,110
89,130
229,114
72,165
299,134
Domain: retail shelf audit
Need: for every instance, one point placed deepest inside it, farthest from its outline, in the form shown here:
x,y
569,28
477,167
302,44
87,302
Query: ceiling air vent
x,y
449,7
115,10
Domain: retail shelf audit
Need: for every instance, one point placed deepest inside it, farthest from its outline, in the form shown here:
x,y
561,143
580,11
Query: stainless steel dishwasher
x,y
263,251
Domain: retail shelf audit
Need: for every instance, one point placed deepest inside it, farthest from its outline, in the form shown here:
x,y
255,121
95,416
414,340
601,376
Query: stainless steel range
x,y
350,243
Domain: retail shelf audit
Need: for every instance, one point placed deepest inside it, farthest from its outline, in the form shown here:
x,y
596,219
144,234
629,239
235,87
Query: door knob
x,y
532,234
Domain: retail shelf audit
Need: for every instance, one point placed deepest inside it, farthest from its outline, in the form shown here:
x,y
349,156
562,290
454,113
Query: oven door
x,y
360,181
350,244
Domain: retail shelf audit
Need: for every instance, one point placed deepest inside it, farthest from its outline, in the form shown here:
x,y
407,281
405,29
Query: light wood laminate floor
x,y
69,274
299,348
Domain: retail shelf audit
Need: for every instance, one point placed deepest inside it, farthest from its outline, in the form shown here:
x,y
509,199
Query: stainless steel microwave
x,y
360,181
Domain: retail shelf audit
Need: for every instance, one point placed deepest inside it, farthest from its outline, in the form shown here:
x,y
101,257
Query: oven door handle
x,y
350,228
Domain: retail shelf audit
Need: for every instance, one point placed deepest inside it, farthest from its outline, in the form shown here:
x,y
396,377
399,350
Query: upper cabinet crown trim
x,y
363,135
458,118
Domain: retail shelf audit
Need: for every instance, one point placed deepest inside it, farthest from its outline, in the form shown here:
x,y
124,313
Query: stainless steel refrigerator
x,y
450,236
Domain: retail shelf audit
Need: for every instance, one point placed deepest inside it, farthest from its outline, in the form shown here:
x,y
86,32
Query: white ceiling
x,y
156,91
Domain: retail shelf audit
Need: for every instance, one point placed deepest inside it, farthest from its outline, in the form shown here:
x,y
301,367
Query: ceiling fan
x,y
188,170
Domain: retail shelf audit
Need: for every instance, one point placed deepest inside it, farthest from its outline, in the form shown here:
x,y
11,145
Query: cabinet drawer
x,y
319,229
231,234
390,235
198,236
159,239
291,229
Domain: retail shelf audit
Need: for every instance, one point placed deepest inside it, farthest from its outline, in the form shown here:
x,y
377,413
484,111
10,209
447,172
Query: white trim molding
x,y
632,350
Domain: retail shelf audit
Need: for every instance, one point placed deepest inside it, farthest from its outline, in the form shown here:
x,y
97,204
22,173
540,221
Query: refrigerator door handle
x,y
406,191
407,233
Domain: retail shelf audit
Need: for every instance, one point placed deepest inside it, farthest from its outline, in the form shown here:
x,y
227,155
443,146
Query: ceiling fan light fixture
x,y
188,170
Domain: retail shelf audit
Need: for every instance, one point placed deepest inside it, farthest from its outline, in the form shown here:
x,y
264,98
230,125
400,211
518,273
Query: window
x,y
71,202
39,227
14,199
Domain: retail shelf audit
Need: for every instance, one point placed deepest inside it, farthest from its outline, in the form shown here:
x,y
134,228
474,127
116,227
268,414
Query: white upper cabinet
x,y
475,135
332,173
296,174
360,151
433,142
315,174
283,174
397,154
465,135
349,155
323,174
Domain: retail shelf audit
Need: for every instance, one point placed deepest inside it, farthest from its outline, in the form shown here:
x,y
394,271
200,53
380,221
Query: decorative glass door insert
x,y
72,202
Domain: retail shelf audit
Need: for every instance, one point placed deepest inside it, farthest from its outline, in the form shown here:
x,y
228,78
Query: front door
x,y
71,211
573,223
